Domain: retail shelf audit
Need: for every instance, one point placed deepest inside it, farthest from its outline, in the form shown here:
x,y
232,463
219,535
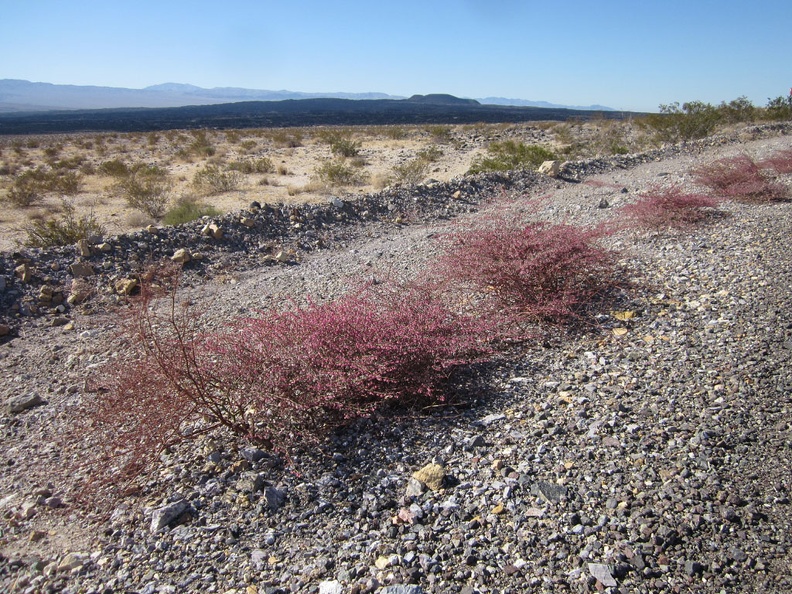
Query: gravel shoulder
x,y
649,454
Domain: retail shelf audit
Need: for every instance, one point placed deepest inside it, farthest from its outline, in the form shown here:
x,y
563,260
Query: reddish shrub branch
x,y
277,379
739,178
780,162
538,270
661,208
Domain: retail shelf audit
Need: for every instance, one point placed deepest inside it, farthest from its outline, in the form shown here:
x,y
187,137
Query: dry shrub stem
x,y
740,178
277,380
663,208
537,271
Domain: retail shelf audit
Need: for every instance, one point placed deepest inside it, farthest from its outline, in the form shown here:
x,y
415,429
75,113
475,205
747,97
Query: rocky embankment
x,y
649,454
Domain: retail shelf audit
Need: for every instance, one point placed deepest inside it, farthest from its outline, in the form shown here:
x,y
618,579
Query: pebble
x,y
23,402
166,514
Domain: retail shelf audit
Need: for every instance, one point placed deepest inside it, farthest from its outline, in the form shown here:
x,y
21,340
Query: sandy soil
x,y
296,157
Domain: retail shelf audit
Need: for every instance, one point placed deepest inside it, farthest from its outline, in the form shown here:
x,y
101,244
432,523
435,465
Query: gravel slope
x,y
651,460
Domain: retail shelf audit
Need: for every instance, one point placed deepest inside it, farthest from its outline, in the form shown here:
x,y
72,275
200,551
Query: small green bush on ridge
x,y
66,229
186,211
510,155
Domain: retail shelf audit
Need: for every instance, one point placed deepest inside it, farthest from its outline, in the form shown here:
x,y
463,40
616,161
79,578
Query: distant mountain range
x,y
19,96
527,103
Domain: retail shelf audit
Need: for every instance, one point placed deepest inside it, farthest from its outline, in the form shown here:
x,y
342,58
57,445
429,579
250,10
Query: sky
x,y
629,55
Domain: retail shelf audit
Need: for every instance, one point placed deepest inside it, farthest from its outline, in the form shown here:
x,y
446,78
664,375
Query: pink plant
x,y
310,369
780,162
277,379
538,270
661,208
739,178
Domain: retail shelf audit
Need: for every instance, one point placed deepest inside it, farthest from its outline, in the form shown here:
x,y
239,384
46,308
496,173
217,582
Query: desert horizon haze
x,y
630,56
27,96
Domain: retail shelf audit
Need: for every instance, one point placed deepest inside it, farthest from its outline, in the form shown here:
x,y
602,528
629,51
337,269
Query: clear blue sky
x,y
630,55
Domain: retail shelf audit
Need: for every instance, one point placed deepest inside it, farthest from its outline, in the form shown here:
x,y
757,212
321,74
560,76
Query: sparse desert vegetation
x,y
125,180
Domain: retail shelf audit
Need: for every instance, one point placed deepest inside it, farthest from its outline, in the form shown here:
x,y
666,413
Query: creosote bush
x,y
779,108
510,155
740,178
537,271
341,143
662,208
114,168
411,172
212,180
145,187
262,165
694,119
67,229
29,187
201,146
338,173
188,209
697,119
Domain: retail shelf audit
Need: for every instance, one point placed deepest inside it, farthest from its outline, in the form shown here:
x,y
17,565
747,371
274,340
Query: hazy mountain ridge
x,y
24,96
529,103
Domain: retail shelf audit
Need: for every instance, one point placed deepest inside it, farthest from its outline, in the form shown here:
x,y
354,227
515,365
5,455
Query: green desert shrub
x,y
66,229
411,172
29,186
114,168
430,154
290,138
146,188
201,146
338,173
439,133
737,111
779,109
345,147
186,210
26,189
341,142
212,180
510,155
262,165
693,120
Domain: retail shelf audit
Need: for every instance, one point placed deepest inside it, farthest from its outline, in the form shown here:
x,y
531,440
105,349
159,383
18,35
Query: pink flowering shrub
x,y
535,270
310,369
780,162
739,178
277,379
662,208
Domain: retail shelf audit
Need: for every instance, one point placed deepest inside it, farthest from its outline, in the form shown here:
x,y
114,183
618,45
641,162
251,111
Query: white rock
x,y
166,514
331,587
18,404
84,248
181,256
551,168
71,561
